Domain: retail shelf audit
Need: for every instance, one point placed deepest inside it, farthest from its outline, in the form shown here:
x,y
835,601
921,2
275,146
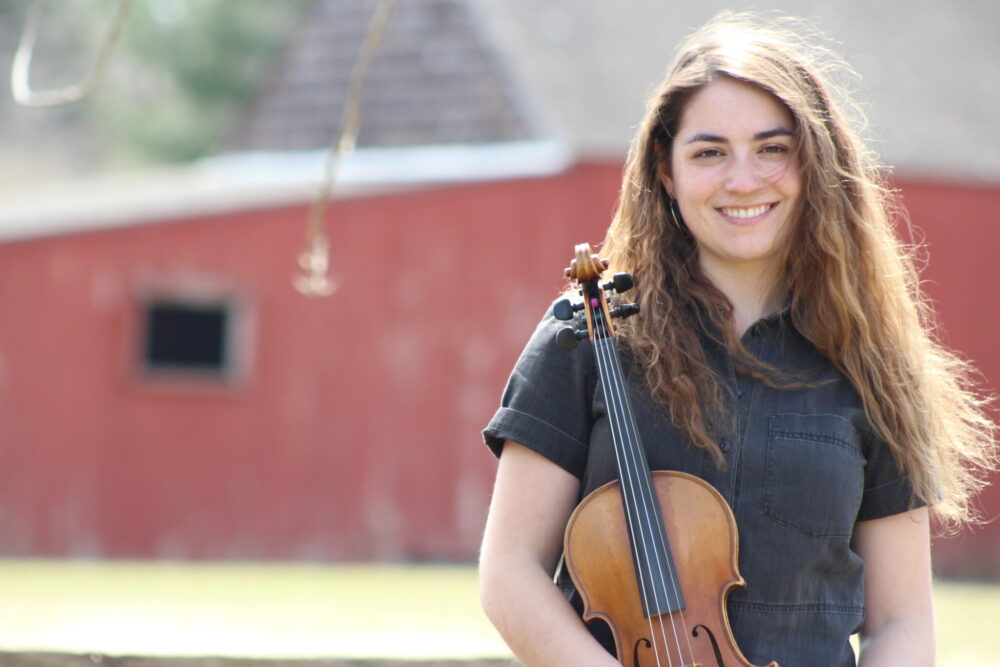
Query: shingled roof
x,y
453,71
436,79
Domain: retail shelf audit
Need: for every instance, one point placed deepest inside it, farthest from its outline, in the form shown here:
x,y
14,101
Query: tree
x,y
181,71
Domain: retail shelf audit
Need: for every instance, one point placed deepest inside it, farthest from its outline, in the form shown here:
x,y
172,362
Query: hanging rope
x,y
20,70
315,261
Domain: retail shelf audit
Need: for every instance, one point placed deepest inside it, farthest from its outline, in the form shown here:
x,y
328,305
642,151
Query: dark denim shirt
x,y
802,467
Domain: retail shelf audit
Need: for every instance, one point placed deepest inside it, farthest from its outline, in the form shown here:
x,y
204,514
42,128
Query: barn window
x,y
185,336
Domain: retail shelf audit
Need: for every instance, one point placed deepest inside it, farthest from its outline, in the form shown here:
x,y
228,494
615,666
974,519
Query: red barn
x,y
303,428
166,393
273,425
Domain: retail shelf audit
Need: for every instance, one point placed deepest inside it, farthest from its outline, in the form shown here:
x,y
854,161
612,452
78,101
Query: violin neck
x,y
654,563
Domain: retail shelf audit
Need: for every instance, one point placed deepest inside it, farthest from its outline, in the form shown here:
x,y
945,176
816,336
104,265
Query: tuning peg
x,y
620,282
567,338
625,310
563,309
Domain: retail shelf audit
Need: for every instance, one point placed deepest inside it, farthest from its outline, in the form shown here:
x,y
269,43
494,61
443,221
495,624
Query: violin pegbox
x,y
586,269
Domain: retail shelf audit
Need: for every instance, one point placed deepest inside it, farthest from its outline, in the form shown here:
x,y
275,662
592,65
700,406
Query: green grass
x,y
301,611
967,616
291,611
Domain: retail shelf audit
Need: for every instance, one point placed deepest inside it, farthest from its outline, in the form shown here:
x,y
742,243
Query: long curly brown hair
x,y
853,285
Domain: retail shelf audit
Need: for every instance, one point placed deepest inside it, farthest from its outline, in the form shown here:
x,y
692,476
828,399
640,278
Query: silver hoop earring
x,y
675,214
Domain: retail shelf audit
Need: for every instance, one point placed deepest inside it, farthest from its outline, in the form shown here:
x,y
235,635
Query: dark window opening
x,y
187,337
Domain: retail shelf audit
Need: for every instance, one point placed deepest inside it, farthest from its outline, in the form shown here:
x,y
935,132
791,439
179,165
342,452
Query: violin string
x,y
611,371
634,477
657,525
661,534
645,489
628,494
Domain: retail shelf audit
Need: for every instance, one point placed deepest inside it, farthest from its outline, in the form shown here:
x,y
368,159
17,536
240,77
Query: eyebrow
x,y
760,136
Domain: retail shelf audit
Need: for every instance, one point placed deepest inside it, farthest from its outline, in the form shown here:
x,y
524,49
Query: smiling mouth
x,y
746,212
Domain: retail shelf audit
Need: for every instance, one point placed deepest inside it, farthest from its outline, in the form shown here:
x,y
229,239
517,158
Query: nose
x,y
744,176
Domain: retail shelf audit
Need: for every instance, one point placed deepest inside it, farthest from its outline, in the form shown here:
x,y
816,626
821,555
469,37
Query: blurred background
x,y
167,395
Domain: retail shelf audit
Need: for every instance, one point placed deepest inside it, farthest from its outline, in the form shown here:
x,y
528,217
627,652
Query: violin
x,y
652,554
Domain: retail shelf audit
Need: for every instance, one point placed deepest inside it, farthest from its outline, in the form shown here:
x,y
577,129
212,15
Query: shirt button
x,y
725,445
739,392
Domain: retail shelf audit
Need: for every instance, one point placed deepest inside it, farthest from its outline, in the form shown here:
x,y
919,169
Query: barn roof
x,y
435,79
506,80
579,71
255,180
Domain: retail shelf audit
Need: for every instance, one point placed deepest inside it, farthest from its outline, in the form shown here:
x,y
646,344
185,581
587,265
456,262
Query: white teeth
x,y
746,212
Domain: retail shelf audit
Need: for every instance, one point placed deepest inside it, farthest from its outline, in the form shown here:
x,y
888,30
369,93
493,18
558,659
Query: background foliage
x,y
181,73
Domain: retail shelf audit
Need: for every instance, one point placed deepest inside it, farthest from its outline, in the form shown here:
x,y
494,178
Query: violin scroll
x,y
586,266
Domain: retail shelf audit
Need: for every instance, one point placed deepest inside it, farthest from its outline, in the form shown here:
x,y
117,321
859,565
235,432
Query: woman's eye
x,y
708,152
774,148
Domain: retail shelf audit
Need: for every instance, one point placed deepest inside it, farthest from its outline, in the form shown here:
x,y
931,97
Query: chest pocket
x,y
815,474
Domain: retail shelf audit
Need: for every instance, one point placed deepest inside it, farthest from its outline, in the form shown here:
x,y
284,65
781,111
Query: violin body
x,y
652,554
704,542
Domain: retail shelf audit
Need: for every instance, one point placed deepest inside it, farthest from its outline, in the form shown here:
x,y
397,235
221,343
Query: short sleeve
x,y
887,489
546,405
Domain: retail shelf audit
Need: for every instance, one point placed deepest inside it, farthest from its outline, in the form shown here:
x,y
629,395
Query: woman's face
x,y
735,175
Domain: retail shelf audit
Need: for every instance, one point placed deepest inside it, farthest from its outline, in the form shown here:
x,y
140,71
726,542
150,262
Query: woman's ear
x,y
663,173
663,170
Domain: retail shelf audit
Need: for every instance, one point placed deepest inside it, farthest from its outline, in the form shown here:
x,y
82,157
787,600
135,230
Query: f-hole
x,y
711,638
641,643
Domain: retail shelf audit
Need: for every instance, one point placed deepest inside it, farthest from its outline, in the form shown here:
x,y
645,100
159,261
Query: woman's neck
x,y
753,291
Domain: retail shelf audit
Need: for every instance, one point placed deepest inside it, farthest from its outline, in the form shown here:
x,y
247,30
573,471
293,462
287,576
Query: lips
x,y
746,212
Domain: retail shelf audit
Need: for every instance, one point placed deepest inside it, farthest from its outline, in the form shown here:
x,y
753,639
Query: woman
x,y
783,355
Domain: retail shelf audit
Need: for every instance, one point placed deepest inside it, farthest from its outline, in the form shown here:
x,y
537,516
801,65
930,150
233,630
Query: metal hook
x,y
21,68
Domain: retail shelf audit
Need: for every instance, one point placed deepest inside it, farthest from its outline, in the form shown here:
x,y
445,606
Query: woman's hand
x,y
899,604
532,501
